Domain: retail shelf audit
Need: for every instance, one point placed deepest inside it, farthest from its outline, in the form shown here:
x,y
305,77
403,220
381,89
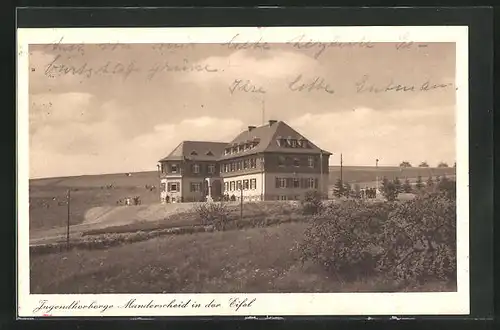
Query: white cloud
x,y
364,134
264,71
93,148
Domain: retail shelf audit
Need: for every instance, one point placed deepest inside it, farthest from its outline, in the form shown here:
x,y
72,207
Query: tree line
x,y
425,164
391,188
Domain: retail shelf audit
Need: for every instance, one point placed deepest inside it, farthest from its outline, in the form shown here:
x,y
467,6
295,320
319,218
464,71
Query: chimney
x,y
251,128
271,122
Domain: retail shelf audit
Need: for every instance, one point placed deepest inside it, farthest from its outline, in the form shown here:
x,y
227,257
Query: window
x,y
211,168
296,162
296,183
253,183
173,186
238,166
209,153
282,198
293,143
196,168
245,164
281,183
253,163
238,185
194,153
310,161
163,186
226,186
195,187
227,151
246,184
281,161
173,168
310,184
232,185
233,167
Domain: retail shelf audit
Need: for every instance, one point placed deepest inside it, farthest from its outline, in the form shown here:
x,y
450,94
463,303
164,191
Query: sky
x,y
120,108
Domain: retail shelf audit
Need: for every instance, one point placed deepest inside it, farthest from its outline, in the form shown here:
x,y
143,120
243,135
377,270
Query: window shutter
x,y
277,182
315,183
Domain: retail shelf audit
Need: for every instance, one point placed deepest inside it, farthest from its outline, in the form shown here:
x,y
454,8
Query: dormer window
x,y
294,143
209,153
227,151
194,153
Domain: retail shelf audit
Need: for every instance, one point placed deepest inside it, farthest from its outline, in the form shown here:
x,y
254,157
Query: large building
x,y
269,162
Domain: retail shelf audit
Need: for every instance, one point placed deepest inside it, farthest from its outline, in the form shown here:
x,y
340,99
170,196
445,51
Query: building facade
x,y
269,162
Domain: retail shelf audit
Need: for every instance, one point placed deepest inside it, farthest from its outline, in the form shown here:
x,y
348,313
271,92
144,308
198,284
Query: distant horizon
x,y
155,170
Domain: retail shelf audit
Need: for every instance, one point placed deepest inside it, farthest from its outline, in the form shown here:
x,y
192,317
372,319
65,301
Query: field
x,y
48,208
263,251
250,260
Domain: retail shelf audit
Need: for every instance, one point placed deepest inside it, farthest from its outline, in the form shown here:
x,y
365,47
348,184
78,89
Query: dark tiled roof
x,y
267,136
197,150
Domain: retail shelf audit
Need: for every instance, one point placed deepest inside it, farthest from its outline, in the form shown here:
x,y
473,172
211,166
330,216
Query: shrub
x,y
312,203
213,214
342,239
447,187
408,242
419,240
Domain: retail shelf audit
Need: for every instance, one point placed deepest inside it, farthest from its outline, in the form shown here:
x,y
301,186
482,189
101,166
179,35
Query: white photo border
x,y
280,304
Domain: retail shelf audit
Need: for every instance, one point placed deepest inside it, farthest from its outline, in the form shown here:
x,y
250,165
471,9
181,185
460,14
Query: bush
x,y
407,242
213,214
342,239
312,203
419,240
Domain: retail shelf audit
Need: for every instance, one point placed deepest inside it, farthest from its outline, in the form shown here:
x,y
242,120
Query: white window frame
x,y
311,162
195,187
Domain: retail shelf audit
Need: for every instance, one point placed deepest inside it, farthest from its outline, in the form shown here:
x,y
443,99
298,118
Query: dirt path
x,y
109,216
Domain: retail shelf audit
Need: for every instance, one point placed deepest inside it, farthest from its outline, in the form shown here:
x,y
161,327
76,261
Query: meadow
x,y
266,250
48,208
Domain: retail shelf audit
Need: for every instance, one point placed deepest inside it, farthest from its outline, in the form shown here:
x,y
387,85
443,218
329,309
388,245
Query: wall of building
x,y
273,193
248,194
193,196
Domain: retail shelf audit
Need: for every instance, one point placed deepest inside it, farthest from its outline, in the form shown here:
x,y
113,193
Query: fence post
x,y
68,220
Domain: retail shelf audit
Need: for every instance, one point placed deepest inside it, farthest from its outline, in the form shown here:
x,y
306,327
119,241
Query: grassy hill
x,y
48,208
249,260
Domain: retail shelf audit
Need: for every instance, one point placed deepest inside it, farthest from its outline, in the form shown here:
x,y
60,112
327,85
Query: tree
x,y
389,191
419,184
347,190
407,186
423,164
442,164
338,189
448,187
430,182
384,183
405,164
357,191
397,185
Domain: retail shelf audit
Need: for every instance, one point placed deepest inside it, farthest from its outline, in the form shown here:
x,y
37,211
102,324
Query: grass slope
x,y
252,260
48,196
